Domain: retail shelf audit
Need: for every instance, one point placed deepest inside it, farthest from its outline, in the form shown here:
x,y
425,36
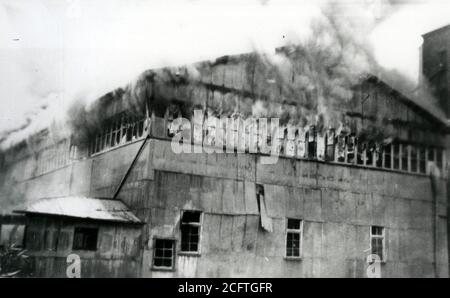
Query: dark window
x,y
377,241
431,154
85,239
405,157
396,156
190,231
312,142
387,156
163,254
294,232
360,155
413,159
422,160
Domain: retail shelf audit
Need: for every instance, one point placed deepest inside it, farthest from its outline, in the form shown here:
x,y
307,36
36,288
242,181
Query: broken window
x,y
294,235
377,241
85,238
190,231
119,130
164,254
311,142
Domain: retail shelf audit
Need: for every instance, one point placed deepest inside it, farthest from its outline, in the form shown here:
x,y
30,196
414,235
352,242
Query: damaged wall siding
x,y
337,203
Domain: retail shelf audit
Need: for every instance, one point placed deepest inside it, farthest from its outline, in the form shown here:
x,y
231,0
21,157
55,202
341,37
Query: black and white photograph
x,y
198,140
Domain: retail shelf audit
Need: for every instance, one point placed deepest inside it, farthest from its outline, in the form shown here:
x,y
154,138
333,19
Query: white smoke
x,y
53,52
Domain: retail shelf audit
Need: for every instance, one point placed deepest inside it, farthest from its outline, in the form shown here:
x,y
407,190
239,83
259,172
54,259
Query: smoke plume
x,y
69,54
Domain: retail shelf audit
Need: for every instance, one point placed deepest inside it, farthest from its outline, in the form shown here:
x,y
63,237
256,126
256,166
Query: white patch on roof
x,y
83,207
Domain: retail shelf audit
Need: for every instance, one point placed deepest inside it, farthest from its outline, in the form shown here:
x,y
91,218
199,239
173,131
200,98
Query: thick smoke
x,y
323,52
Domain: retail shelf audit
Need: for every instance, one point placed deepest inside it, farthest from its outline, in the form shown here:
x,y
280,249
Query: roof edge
x,y
25,212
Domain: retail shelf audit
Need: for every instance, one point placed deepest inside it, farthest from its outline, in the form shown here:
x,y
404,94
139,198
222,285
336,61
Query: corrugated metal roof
x,y
83,207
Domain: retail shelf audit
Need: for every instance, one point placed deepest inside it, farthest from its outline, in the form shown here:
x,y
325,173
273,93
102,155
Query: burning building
x,y
360,177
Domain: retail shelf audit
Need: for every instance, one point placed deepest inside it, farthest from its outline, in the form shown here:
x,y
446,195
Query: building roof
x,y
418,97
83,207
442,28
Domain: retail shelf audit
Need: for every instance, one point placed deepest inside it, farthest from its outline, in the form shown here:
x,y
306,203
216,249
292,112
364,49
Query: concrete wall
x,y
338,204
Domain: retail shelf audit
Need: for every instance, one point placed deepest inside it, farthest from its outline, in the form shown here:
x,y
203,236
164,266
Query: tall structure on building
x,y
435,65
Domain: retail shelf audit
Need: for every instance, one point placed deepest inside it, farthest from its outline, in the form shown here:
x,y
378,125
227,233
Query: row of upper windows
x,y
120,130
342,148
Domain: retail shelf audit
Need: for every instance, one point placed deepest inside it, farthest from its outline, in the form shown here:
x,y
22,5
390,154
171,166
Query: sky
x,y
54,52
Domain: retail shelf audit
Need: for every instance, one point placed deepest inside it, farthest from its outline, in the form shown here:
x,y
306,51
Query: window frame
x,y
85,249
174,253
387,157
396,156
296,231
116,132
414,159
383,243
199,225
404,157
